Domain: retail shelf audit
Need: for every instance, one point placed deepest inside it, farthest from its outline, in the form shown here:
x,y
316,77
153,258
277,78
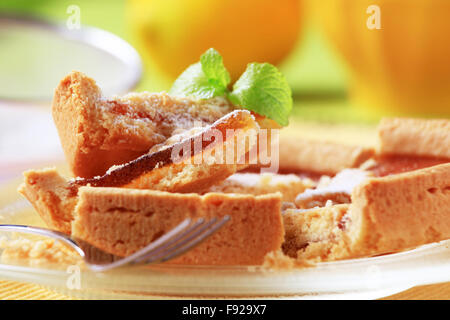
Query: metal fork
x,y
174,243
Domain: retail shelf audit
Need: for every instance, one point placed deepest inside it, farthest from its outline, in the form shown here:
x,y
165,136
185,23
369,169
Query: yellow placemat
x,y
429,292
11,290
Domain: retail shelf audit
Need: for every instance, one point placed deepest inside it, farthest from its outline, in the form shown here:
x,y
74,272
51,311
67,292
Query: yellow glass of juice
x,y
397,53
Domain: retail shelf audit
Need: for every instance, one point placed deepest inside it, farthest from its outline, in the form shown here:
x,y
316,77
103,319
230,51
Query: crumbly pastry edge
x,y
414,137
387,214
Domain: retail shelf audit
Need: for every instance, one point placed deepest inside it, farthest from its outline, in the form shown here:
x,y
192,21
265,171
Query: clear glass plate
x,y
366,278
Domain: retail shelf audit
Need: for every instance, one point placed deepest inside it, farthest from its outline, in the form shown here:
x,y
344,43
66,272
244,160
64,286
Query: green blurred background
x,y
169,33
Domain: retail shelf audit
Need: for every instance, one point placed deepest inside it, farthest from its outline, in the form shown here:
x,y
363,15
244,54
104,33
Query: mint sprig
x,y
261,88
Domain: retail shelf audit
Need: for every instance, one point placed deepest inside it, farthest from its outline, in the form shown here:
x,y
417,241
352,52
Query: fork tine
x,y
197,240
192,240
169,236
187,236
169,241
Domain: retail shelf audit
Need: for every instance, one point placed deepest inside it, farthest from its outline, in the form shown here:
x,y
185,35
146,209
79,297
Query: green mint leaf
x,y
264,90
203,80
214,69
193,83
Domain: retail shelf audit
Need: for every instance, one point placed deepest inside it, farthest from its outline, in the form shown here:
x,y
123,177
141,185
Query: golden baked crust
x,y
387,214
399,136
97,132
307,229
420,137
303,155
400,211
49,194
289,185
123,222
193,164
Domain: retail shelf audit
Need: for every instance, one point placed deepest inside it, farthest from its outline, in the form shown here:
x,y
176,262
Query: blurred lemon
x,y
174,33
403,68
